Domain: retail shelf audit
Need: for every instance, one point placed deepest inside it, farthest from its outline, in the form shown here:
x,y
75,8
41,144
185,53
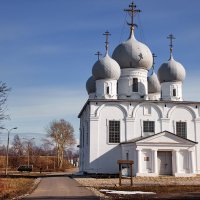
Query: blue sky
x,y
47,51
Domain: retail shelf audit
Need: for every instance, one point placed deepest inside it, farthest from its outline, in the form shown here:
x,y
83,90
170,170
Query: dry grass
x,y
164,186
161,192
12,187
157,188
161,180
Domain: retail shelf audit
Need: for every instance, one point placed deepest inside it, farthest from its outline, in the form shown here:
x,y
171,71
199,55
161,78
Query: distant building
x,y
130,115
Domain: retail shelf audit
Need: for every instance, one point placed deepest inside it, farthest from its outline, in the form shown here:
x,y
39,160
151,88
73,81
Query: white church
x,y
131,115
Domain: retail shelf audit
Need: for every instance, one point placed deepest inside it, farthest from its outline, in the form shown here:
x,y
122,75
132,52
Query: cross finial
x,y
107,34
171,38
98,54
154,56
132,11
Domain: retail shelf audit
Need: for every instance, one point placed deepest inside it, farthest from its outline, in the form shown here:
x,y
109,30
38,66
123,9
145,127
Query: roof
x,y
142,138
138,101
171,71
106,68
133,54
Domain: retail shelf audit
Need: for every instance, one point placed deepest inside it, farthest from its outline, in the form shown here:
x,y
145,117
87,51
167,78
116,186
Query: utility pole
x,y
7,148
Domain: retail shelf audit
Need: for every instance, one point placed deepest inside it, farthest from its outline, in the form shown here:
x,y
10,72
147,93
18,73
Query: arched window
x,y
174,92
135,85
107,90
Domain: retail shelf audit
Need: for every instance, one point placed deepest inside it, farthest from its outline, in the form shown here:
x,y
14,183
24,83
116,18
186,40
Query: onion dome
x,y
171,71
106,68
91,85
133,54
153,84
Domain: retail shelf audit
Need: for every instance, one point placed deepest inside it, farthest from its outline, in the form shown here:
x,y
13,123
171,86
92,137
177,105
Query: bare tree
x,y
17,146
29,143
3,97
47,147
62,133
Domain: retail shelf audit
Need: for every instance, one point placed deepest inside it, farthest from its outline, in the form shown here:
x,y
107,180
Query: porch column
x,y
139,160
191,154
177,161
155,161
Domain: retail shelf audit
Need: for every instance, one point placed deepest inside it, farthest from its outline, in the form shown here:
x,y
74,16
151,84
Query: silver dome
x,y
133,54
106,68
91,85
153,84
172,71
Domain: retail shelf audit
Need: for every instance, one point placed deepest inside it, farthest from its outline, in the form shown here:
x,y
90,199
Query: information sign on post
x,y
125,170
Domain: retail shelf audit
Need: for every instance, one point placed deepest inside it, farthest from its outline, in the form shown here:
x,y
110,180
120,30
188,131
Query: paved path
x,y
58,188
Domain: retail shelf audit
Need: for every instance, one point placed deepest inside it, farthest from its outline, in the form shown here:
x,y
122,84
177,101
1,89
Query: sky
x,y
47,52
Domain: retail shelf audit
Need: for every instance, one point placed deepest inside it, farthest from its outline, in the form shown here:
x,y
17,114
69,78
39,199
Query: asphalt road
x,y
58,188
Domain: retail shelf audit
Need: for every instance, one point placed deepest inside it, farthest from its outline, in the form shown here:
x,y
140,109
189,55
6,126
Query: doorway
x,y
165,162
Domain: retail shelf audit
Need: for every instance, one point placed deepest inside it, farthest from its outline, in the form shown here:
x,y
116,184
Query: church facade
x,y
131,115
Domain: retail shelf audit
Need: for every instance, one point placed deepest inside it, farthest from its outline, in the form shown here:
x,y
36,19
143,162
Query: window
x,y
114,131
149,126
181,129
107,90
174,92
135,85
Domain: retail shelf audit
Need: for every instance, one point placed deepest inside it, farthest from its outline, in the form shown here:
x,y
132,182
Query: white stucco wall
x,y
131,115
146,112
185,115
84,139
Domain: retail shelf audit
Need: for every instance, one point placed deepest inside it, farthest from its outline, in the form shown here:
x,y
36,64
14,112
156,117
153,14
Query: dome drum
x,y
106,89
172,91
126,88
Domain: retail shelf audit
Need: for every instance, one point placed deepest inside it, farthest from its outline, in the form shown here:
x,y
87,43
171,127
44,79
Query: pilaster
x,y
155,156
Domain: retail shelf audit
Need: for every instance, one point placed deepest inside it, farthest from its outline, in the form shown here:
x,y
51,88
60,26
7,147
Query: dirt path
x,y
61,188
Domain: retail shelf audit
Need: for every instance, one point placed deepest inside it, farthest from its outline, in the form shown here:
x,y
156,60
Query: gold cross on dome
x,y
171,38
98,54
107,34
154,56
132,11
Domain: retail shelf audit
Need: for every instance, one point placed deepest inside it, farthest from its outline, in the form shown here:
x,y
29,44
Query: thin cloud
x,y
34,108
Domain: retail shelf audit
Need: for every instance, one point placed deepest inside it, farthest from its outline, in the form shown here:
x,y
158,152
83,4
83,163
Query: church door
x,y
165,162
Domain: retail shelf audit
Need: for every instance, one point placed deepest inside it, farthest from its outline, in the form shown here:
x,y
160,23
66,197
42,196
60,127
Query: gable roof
x,y
140,139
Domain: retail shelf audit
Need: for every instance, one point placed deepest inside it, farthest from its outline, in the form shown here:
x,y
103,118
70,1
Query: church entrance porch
x,y
164,162
162,154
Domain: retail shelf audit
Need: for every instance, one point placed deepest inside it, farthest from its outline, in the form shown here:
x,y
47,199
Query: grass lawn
x,y
12,187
